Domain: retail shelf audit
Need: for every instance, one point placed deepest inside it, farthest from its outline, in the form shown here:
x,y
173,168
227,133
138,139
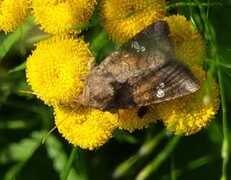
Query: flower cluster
x,y
13,13
57,17
123,19
88,128
188,43
58,66
63,69
53,16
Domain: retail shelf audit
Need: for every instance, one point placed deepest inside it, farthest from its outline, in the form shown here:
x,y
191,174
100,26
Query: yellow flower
x,y
123,19
189,114
56,68
13,13
86,128
188,43
132,119
58,17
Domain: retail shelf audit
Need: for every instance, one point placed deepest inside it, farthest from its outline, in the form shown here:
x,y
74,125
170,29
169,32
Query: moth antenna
x,y
91,63
83,77
152,108
118,114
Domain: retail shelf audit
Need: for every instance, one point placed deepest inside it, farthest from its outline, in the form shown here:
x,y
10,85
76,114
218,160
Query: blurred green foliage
x,y
29,152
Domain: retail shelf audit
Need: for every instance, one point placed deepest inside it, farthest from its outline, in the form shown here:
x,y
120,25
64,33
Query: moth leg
x,y
83,77
142,111
91,64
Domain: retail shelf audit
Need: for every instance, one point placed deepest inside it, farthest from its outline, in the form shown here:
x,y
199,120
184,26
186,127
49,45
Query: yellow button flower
x,y
189,114
188,43
123,19
58,17
56,68
13,13
132,119
86,128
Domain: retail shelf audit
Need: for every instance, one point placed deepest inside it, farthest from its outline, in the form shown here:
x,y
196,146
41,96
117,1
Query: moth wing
x,y
153,41
143,72
171,81
151,48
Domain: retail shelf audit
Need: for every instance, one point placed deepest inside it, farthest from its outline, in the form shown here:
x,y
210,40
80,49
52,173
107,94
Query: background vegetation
x,y
29,152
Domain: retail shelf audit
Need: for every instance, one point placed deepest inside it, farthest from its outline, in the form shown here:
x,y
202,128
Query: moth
x,y
144,71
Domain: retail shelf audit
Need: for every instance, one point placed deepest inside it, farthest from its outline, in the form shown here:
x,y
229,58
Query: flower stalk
x,y
159,159
211,38
68,166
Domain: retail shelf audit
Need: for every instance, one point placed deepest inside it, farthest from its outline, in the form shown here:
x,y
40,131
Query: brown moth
x,y
144,72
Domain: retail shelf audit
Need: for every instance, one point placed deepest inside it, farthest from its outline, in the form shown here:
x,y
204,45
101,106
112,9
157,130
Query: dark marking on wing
x,y
142,111
171,81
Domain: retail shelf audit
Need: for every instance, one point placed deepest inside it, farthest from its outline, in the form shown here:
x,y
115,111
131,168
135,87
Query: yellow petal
x,y
13,13
56,68
123,19
188,43
58,17
87,128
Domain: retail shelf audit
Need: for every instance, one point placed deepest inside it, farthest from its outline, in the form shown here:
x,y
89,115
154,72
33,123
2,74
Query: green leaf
x,y
122,136
11,174
20,67
146,149
159,159
20,153
13,38
15,124
59,157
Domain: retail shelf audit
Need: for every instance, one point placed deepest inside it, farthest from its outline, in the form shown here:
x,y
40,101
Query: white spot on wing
x,y
162,85
139,48
160,93
190,86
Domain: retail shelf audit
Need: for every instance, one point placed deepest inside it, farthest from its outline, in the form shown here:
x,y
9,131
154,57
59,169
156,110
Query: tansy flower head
x,y
132,119
123,19
189,114
188,43
60,16
13,13
56,68
87,128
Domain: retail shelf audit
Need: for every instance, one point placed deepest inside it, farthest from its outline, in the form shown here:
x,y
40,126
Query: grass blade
x,y
160,158
144,150
69,163
13,38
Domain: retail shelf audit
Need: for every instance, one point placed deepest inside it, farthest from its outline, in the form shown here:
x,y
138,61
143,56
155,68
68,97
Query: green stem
x,y
191,166
14,37
146,149
225,144
161,157
67,167
173,170
99,42
211,38
36,38
186,4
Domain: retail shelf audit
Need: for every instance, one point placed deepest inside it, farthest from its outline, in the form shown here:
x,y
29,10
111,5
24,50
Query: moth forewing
x,y
145,71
